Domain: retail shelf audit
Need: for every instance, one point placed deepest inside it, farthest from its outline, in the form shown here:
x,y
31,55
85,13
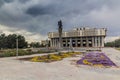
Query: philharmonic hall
x,y
78,37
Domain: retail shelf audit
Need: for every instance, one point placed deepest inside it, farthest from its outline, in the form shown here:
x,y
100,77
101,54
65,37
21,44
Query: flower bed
x,y
53,57
96,59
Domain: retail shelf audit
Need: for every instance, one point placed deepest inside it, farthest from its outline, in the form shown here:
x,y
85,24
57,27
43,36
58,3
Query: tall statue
x,y
60,24
60,33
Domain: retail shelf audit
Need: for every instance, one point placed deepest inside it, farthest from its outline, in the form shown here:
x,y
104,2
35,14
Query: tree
x,y
35,44
115,43
10,41
21,42
3,40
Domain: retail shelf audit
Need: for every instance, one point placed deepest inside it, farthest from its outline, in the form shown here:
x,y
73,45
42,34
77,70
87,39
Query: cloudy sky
x,y
35,18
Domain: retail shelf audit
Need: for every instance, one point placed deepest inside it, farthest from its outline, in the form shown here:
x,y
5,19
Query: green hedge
x,y
9,53
21,52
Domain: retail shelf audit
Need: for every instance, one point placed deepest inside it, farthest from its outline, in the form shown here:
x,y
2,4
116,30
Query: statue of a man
x,y
60,24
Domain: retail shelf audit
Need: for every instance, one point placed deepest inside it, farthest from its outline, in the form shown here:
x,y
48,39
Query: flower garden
x,y
96,59
54,57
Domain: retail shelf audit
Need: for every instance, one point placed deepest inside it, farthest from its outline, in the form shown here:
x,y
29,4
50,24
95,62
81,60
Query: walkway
x,y
11,69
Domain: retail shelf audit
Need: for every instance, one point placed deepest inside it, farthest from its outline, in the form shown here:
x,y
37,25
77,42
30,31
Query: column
x,y
51,43
81,41
87,42
70,43
66,43
93,42
102,38
98,41
55,42
76,42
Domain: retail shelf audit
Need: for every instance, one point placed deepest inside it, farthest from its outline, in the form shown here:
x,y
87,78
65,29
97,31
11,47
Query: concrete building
x,y
79,37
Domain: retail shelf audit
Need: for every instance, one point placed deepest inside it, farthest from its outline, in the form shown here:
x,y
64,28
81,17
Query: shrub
x,y
9,53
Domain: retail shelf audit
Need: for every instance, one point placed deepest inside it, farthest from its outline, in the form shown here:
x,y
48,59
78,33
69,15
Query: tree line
x,y
115,43
9,42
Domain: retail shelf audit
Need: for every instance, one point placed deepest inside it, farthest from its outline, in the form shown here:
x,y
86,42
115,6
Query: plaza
x,y
12,69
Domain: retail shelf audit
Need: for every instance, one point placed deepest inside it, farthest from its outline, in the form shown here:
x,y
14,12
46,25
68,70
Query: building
x,y
79,37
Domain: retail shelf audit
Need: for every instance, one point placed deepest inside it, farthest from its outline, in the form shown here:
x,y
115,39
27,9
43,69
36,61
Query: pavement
x,y
66,69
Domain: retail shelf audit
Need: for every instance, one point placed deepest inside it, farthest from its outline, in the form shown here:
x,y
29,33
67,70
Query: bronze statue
x,y
60,33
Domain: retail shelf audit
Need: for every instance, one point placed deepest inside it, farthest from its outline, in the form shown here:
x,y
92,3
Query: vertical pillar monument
x,y
60,27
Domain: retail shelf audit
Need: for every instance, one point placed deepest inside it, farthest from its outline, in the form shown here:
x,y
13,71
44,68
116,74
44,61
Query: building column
x,y
76,42
98,41
87,42
58,42
70,43
81,41
93,42
66,43
51,43
102,40
54,42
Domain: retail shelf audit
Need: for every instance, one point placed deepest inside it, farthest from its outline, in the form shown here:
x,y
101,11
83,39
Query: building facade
x,y
79,37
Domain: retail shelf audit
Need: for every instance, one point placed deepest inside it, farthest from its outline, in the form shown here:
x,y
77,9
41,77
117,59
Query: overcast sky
x,y
35,18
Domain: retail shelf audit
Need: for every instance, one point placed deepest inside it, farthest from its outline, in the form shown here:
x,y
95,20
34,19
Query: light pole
x,y
47,41
17,47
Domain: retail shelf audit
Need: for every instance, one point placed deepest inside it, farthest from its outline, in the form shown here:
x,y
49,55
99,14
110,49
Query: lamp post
x,y
47,42
17,47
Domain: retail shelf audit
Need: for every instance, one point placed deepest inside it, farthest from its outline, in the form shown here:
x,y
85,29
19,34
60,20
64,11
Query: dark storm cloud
x,y
41,16
8,1
40,10
63,8
24,1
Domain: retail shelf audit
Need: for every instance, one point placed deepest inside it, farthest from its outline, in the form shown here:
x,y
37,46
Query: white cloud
x,y
30,37
35,18
112,38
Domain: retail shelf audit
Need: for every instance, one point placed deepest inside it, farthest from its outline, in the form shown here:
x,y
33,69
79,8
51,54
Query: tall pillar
x,y
102,38
70,43
87,42
66,43
55,42
81,45
93,42
98,41
51,43
76,42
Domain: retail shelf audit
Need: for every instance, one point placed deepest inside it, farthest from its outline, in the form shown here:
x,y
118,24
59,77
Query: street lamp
x,y
17,46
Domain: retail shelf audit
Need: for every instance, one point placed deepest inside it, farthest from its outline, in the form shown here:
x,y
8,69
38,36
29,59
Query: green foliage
x,y
10,41
35,44
9,53
115,43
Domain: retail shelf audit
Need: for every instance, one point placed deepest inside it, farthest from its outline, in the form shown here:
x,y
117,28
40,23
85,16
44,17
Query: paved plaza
x,y
12,69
